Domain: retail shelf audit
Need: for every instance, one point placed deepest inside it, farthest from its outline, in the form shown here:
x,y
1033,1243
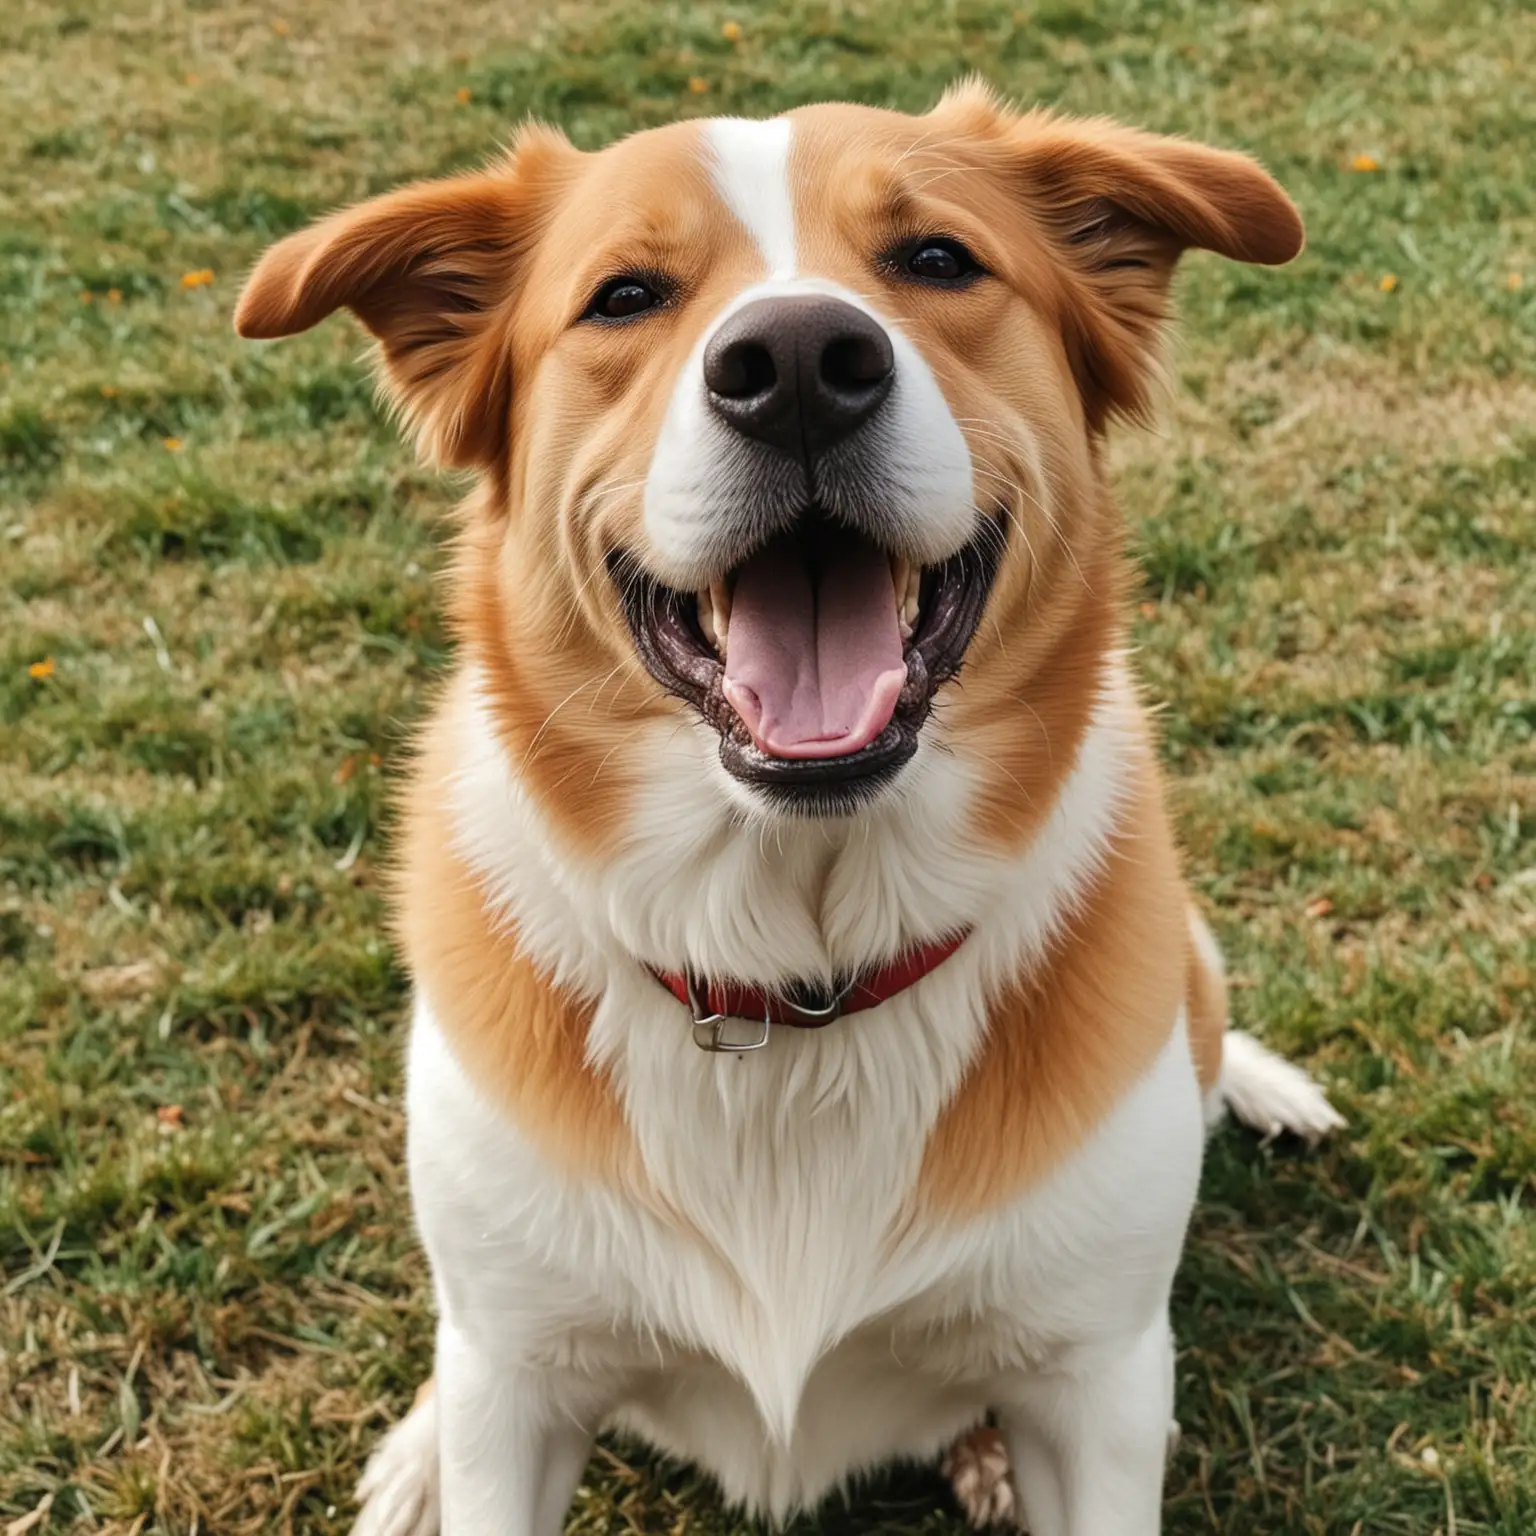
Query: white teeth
x,y
907,579
720,597
715,614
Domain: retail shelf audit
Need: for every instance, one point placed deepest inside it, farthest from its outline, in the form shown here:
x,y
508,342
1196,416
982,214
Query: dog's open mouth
x,y
817,657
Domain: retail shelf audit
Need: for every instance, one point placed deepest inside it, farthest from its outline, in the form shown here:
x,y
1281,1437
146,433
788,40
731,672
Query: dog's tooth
x,y
720,604
901,577
907,596
707,617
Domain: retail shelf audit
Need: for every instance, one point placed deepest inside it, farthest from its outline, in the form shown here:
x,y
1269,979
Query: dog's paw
x,y
977,1469
399,1488
1270,1095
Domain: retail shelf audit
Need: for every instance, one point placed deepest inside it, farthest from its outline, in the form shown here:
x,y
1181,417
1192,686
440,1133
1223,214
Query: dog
x,y
814,1039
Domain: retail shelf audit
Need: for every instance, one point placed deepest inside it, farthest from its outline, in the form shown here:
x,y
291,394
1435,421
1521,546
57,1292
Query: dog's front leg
x,y
512,1442
1089,1440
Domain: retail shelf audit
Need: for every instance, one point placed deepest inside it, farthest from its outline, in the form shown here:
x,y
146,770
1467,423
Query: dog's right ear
x,y
429,270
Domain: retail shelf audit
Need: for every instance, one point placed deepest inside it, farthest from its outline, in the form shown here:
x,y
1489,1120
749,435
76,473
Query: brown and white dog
x,y
792,691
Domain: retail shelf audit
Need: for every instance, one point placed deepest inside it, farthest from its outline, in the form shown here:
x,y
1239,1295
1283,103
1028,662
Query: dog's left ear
x,y
1122,207
1119,207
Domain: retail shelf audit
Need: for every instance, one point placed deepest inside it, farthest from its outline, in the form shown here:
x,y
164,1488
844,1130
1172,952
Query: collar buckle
x,y
713,1032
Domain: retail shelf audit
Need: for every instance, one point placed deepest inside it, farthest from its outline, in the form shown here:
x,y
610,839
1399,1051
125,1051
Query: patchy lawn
x,y
217,623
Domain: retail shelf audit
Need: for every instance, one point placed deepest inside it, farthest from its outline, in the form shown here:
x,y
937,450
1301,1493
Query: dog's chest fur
x,y
784,1323
778,1306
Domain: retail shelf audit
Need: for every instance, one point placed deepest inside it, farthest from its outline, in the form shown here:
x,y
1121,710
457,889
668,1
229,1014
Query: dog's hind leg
x,y
399,1491
979,1473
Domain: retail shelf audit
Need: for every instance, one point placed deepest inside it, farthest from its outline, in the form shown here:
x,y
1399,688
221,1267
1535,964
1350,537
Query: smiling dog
x,y
792,720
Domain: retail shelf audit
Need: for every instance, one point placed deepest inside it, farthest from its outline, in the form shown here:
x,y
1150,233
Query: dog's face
x,y
782,411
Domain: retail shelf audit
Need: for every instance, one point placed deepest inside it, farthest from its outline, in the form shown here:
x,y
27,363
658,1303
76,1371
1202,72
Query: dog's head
x,y
800,414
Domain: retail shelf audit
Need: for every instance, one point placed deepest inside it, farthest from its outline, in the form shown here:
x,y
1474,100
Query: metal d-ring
x,y
709,1028
828,1013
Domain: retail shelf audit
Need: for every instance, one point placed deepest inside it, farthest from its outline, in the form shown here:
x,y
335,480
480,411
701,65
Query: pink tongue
x,y
813,660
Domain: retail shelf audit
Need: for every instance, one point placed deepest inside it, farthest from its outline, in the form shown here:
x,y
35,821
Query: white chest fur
x,y
784,1335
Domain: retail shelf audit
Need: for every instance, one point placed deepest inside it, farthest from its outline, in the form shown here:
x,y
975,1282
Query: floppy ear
x,y
1119,207
429,270
1123,206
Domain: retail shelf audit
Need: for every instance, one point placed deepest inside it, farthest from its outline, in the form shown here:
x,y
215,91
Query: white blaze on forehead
x,y
749,162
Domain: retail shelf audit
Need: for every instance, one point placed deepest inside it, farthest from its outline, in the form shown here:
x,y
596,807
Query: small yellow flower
x,y
731,31
193,79
1388,283
109,391
198,279
698,84
1365,163
173,444
280,26
463,95
41,669
1514,282
86,296
114,295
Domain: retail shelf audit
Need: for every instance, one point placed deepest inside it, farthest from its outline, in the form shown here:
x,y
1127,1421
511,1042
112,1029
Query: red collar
x,y
718,1003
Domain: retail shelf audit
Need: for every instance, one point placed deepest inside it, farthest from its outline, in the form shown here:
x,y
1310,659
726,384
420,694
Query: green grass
x,y
212,1302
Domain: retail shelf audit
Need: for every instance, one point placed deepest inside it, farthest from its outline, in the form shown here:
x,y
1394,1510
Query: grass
x,y
217,623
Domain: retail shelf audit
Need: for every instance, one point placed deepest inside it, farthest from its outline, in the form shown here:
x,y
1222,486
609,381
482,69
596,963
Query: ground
x,y
217,624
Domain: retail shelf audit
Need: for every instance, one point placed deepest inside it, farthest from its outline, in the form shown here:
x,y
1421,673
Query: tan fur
x,y
1206,1002
512,1030
1067,1041
558,713
430,270
1117,207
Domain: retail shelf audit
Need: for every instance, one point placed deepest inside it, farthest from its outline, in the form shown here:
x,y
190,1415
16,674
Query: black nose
x,y
798,373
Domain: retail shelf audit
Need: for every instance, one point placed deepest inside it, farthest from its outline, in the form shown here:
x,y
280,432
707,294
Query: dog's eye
x,y
622,297
937,260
